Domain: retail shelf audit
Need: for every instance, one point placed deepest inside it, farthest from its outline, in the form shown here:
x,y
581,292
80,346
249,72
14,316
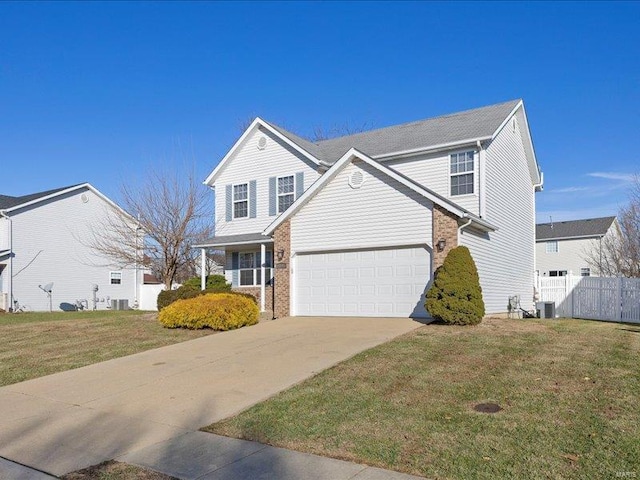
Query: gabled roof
x,y
463,127
446,131
416,187
292,140
590,227
7,202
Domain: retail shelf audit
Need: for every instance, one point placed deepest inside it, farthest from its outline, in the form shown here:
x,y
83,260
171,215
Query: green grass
x,y
37,344
569,389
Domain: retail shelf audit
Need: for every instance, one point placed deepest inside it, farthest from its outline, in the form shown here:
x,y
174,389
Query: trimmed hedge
x,y
455,297
213,282
191,289
219,311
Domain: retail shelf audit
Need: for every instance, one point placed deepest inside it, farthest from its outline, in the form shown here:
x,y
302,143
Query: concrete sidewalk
x,y
204,456
74,419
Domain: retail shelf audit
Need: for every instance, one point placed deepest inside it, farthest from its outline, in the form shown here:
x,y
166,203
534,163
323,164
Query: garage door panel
x,y
384,282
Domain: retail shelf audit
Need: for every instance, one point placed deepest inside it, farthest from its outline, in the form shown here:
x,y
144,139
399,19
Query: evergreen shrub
x,y
455,297
219,311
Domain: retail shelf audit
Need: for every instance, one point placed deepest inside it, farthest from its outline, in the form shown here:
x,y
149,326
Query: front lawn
x,y
37,344
569,392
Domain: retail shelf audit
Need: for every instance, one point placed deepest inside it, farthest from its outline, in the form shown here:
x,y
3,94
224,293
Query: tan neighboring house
x,y
357,225
563,247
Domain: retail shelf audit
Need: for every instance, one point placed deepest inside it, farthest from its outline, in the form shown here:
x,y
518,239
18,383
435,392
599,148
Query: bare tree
x,y
618,253
168,214
321,133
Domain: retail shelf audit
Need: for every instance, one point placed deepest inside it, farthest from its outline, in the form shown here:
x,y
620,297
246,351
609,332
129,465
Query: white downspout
x,y
464,225
3,213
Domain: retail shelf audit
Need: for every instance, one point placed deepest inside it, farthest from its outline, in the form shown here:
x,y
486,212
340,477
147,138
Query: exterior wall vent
x,y
84,197
356,179
262,143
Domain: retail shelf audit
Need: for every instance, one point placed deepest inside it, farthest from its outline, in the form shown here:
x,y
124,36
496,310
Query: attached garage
x,y
386,282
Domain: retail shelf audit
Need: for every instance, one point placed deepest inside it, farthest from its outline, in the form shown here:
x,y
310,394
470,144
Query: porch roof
x,y
4,253
231,240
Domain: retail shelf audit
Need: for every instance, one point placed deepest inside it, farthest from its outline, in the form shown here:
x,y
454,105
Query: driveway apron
x,y
74,419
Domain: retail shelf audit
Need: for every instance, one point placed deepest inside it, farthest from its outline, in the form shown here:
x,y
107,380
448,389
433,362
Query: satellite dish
x,y
47,288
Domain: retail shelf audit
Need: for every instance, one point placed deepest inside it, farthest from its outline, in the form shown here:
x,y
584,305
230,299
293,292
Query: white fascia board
x,y
480,223
577,237
430,149
68,190
310,192
531,154
337,167
232,244
257,122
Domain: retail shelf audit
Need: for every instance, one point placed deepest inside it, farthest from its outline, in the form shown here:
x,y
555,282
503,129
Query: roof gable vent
x,y
262,143
356,179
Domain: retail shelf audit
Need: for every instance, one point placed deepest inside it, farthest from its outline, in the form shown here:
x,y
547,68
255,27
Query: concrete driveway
x,y
70,420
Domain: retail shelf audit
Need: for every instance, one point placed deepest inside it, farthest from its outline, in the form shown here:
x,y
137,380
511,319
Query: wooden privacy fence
x,y
594,298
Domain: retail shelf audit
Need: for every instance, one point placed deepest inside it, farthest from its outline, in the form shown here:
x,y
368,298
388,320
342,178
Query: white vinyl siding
x,y
433,172
571,256
382,212
51,244
505,258
249,164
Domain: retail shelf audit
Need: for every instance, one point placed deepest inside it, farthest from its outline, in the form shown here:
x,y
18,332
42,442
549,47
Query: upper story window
x,y
461,171
115,278
241,200
286,189
552,246
585,272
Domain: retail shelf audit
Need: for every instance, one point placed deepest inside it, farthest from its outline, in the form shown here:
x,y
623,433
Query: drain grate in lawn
x,y
487,407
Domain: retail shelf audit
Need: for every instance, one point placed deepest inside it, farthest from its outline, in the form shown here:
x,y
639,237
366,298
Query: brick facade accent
x,y
444,226
255,291
282,269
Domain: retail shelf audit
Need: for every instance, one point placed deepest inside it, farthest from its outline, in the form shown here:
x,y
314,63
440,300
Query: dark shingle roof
x,y
590,227
446,129
10,202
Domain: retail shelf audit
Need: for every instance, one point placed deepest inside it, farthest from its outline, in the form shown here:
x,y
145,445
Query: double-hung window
x,y
241,200
250,269
552,246
115,278
286,189
461,172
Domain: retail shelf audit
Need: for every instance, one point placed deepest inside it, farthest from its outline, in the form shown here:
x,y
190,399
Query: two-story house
x,y
565,247
356,225
45,238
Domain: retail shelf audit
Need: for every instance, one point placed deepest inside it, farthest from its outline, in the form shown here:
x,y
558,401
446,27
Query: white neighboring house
x,y
562,247
356,225
45,238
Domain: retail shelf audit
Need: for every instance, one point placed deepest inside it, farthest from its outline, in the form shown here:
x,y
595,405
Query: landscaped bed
x,y
569,393
37,344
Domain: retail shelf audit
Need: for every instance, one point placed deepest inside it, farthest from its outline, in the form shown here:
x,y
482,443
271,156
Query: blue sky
x,y
103,92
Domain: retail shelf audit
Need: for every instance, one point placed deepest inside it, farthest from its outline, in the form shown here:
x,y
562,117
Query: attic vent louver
x,y
356,179
262,143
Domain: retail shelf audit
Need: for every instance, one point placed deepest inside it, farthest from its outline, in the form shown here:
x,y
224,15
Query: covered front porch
x,y
248,264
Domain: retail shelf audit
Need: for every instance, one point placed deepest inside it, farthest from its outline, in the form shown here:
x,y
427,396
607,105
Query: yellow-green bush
x,y
219,311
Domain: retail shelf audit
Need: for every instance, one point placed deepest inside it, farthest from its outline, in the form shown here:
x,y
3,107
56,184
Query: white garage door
x,y
374,283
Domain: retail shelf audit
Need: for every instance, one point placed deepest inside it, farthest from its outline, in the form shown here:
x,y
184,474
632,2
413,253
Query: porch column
x,y
203,268
263,260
